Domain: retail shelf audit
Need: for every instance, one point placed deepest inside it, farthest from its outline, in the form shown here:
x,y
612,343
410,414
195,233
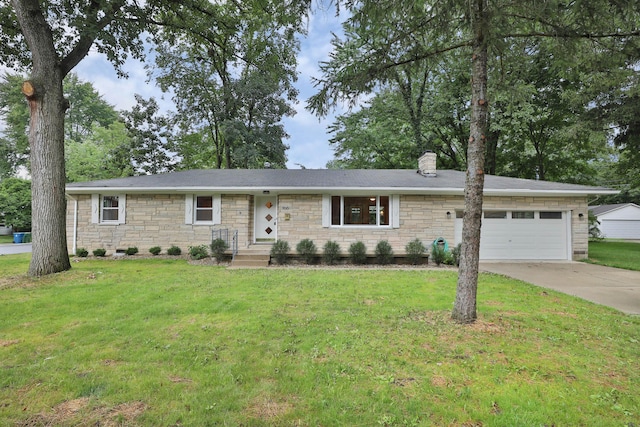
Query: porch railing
x,y
230,237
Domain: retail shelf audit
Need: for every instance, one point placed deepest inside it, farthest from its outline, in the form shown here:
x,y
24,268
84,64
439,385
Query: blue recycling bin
x,y
18,237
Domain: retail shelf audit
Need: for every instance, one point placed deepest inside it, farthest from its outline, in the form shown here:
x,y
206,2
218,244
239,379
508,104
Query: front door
x,y
266,218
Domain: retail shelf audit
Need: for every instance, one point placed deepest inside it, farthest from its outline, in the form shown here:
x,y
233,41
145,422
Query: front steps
x,y
255,256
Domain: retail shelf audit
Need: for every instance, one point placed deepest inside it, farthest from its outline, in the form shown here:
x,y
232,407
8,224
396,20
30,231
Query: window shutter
x,y
395,210
326,210
95,208
188,208
217,209
122,208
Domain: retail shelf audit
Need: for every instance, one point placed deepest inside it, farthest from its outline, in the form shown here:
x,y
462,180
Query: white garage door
x,y
620,228
513,235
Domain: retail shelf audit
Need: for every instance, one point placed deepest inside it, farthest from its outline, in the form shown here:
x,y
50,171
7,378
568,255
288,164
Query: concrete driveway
x,y
15,248
608,286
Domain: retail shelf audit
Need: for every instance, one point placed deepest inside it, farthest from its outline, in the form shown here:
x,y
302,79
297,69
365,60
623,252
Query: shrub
x,y
438,254
307,250
280,251
82,252
131,250
384,252
331,252
455,255
218,249
174,251
415,249
155,250
198,252
99,252
358,253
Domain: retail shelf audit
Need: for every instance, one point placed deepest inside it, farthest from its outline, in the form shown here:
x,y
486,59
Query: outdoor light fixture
x,y
265,192
448,215
581,216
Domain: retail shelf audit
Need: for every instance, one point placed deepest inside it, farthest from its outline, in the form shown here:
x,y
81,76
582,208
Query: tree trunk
x,y
46,139
464,309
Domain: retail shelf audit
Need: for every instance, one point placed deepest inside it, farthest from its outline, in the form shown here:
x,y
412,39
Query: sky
x,y
308,137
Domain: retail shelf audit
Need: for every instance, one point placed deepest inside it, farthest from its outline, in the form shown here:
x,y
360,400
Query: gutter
x,y
75,223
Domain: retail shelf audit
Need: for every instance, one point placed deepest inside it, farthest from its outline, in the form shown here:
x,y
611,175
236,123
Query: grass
x,y
162,342
615,254
6,239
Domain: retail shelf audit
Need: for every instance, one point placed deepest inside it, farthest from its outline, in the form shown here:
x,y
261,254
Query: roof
x,y
326,180
603,209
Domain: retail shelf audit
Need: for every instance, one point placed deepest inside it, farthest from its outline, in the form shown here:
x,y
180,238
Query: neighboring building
x,y
619,221
523,219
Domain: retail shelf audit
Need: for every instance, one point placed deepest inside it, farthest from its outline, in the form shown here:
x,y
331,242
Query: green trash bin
x,y
26,238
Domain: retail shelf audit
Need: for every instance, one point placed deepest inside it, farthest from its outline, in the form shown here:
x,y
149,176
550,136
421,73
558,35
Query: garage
x,y
619,221
522,235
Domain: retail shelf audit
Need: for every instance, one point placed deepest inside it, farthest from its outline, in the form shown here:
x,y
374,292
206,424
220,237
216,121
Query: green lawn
x,y
615,254
6,239
159,342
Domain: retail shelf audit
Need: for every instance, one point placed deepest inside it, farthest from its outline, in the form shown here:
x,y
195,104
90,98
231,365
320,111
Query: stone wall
x,y
422,217
156,220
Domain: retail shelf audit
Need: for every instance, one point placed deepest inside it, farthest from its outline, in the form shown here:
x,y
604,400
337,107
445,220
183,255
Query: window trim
x,y
191,209
97,209
393,214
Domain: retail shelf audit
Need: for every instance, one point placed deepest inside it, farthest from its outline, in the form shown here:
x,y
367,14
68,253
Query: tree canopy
x,y
49,38
384,36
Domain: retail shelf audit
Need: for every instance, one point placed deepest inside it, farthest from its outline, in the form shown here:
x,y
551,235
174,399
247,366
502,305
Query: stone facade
x,y
159,220
156,220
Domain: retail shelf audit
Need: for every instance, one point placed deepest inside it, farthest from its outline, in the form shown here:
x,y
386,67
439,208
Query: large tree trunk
x,y
46,138
464,309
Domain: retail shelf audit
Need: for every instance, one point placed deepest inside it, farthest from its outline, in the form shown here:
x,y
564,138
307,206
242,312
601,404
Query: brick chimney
x,y
427,164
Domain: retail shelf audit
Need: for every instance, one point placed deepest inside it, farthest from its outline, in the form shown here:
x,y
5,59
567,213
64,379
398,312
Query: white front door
x,y
266,218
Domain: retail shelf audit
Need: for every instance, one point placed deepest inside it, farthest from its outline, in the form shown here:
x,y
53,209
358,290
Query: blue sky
x,y
308,139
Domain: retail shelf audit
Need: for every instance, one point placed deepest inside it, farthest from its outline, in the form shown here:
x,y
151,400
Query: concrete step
x,y
251,258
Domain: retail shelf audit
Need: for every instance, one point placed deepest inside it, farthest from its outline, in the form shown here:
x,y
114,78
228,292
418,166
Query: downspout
x,y
75,223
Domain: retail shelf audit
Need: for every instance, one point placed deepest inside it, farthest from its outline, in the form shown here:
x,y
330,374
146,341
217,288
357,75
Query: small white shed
x,y
620,221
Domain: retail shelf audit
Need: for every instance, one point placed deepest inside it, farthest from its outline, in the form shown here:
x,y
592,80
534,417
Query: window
x,y
360,210
522,215
495,214
204,208
550,215
109,209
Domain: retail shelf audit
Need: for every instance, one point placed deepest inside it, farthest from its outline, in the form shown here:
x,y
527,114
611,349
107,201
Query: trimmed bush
x,y
280,251
174,251
131,250
155,250
99,252
415,250
198,252
218,249
331,252
358,253
307,250
438,254
384,252
82,252
455,255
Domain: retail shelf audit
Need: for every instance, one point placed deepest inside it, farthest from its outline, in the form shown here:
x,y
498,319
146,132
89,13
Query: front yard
x,y
615,254
163,342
